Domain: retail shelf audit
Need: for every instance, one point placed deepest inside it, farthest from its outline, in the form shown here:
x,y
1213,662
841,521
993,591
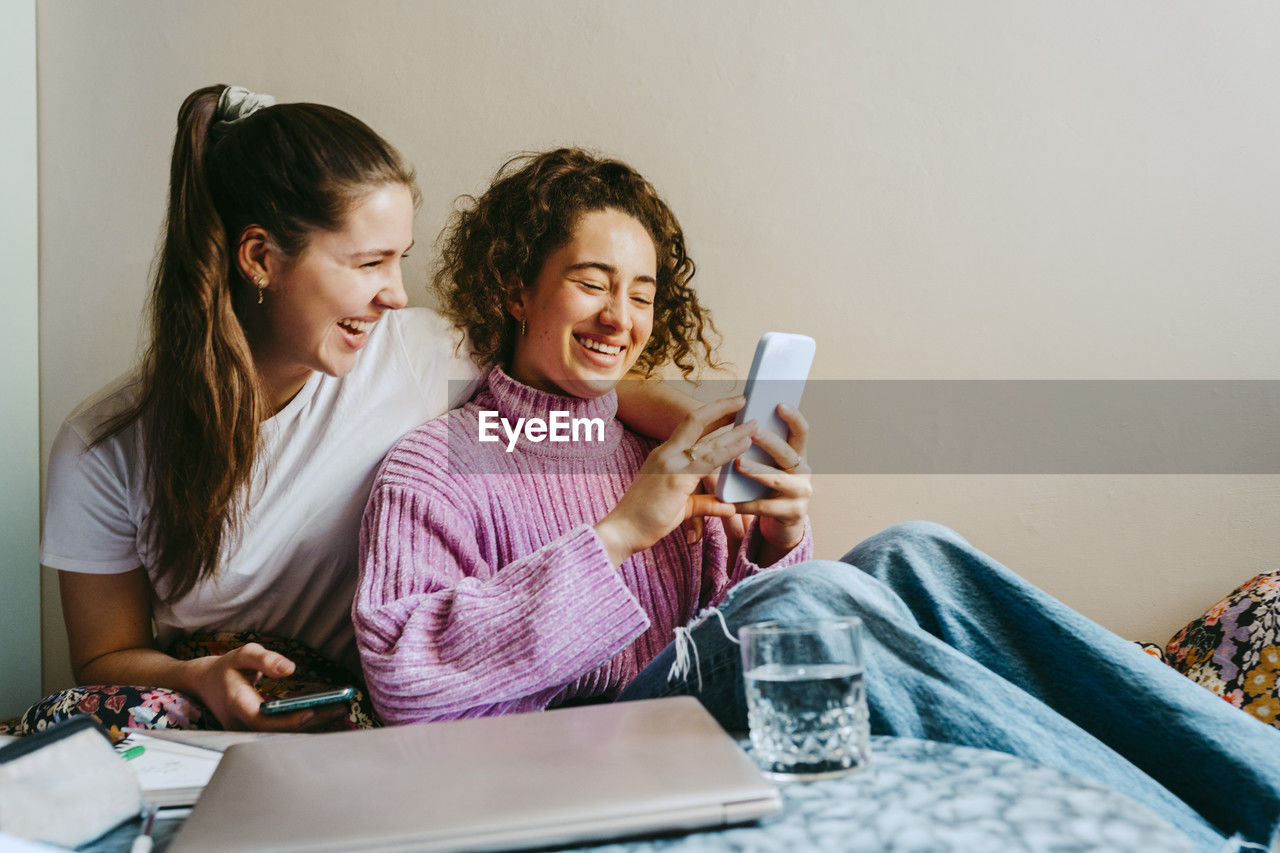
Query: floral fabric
x,y
1152,649
1234,648
117,707
122,707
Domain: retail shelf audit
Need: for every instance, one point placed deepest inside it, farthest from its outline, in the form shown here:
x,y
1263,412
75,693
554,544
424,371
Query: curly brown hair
x,y
501,240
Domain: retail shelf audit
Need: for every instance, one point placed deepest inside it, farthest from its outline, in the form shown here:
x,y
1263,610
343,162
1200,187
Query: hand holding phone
x,y
307,700
778,373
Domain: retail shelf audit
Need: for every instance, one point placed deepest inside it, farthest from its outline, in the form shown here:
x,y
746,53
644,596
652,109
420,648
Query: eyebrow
x,y
381,253
609,269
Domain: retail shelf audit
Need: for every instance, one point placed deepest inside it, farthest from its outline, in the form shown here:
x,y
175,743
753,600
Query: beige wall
x,y
932,190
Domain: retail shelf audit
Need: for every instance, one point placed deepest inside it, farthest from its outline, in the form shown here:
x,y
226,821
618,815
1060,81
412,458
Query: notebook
x,y
558,777
171,773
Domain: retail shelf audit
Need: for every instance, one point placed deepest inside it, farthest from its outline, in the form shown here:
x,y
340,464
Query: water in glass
x,y
808,721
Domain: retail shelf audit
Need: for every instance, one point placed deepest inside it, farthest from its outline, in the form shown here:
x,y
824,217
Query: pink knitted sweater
x,y
483,587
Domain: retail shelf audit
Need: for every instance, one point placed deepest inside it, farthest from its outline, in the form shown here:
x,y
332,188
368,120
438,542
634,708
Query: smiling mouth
x,y
357,327
597,346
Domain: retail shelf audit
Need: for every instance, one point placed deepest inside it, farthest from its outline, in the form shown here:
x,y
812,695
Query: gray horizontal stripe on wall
x,y
1038,426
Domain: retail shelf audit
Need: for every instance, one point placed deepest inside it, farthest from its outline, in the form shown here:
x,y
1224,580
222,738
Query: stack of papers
x,y
171,773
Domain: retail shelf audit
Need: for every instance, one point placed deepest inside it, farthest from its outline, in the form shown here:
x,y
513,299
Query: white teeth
x,y
607,349
358,327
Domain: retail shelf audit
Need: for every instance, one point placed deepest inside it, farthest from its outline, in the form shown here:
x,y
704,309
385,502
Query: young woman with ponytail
x,y
218,488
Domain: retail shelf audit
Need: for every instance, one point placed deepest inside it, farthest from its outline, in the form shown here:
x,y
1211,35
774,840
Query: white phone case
x,y
777,375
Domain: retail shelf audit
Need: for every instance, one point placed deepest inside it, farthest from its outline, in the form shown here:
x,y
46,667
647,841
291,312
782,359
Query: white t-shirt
x,y
292,570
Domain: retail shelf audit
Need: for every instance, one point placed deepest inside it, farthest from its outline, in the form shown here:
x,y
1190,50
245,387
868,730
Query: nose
x,y
614,313
392,295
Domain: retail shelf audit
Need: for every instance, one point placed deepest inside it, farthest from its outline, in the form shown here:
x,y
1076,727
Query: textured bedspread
x,y
920,795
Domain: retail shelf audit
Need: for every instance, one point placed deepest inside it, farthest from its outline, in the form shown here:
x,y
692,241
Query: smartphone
x,y
306,700
778,372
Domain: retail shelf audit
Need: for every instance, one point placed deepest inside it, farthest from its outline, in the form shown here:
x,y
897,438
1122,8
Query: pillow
x,y
1152,649
1234,648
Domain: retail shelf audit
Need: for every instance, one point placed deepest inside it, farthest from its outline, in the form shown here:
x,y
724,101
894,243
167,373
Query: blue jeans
x,y
962,650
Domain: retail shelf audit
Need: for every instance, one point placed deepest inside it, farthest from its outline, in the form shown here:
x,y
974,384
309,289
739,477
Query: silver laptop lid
x,y
558,777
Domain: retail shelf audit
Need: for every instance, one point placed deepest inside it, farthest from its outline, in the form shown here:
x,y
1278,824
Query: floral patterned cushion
x,y
121,707
1153,649
1234,648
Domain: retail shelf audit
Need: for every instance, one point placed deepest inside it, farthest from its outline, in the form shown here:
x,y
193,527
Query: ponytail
x,y
289,169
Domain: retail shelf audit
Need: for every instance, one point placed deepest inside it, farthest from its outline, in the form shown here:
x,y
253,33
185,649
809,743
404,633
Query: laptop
x,y
531,780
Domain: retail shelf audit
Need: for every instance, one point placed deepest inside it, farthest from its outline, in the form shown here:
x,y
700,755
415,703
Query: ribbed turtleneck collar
x,y
514,400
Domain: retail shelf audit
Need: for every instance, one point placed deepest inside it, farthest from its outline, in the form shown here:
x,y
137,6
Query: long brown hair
x,y
290,169
530,211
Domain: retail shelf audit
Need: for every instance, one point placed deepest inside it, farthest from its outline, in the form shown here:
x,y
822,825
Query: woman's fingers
x,y
707,484
735,528
699,421
787,484
227,687
662,495
294,721
300,721
782,509
244,701
256,658
725,420
709,453
702,505
328,715
695,529
789,453
248,701
798,426
695,526
783,454
718,432
244,667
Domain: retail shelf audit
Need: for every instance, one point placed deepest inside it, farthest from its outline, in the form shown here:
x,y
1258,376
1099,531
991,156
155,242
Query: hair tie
x,y
237,103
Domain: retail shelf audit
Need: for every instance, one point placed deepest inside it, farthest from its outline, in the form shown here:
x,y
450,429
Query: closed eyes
x,y
372,264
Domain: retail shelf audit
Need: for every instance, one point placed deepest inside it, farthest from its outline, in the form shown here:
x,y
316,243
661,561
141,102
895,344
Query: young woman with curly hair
x,y
499,577
529,211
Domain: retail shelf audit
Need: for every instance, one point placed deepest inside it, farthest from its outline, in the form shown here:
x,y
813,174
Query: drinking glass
x,y
806,701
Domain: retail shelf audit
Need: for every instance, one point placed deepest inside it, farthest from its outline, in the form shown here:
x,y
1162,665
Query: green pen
x,y
133,751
